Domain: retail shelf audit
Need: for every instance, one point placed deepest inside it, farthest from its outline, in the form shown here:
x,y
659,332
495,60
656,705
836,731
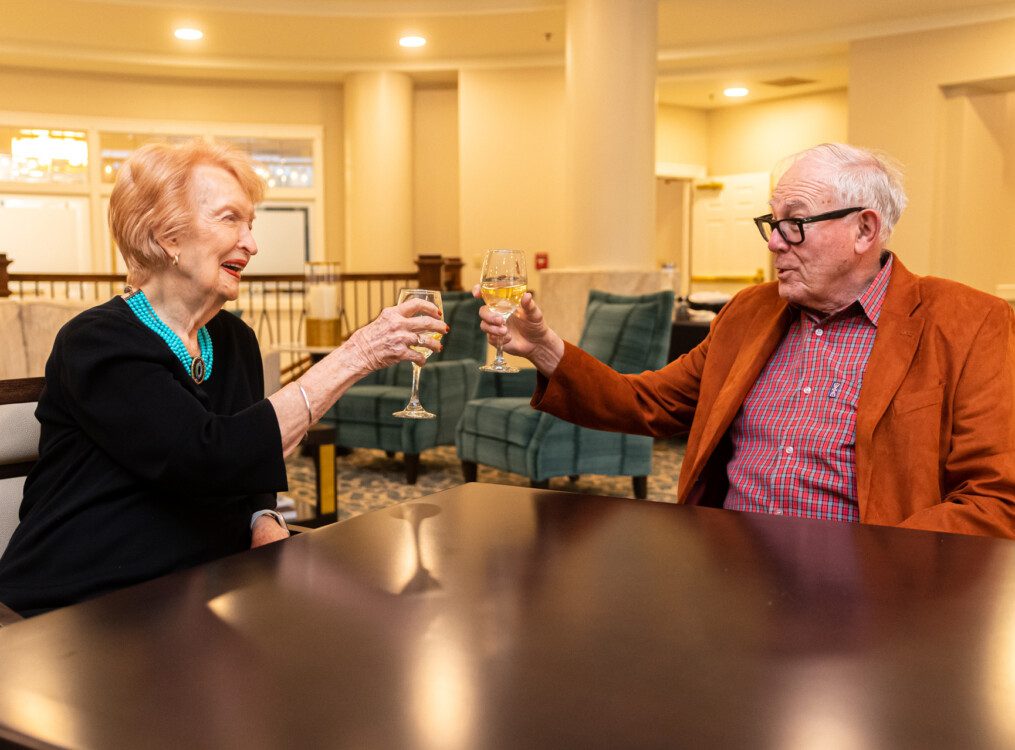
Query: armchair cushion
x,y
466,341
11,491
630,334
521,383
508,420
14,362
28,328
19,447
42,320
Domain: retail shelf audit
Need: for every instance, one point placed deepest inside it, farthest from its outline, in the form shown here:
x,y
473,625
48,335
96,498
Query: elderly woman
x,y
158,449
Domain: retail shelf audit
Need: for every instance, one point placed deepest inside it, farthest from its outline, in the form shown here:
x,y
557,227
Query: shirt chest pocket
x,y
834,405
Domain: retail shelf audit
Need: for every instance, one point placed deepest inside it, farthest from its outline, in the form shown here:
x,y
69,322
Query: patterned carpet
x,y
368,480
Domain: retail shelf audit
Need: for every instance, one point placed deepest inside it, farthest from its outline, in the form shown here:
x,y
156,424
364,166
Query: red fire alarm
x,y
542,261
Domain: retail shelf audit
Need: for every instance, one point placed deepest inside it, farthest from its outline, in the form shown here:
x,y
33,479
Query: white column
x,y
611,74
378,172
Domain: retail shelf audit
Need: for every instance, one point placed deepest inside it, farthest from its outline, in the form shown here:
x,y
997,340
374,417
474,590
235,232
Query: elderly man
x,y
849,389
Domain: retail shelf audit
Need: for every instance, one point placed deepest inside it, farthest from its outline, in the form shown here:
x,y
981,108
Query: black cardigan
x,y
141,471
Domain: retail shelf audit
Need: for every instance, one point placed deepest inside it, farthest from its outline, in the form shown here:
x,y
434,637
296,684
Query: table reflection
x,y
414,514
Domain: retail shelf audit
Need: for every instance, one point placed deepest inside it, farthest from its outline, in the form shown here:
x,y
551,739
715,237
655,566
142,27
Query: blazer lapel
x,y
747,366
895,344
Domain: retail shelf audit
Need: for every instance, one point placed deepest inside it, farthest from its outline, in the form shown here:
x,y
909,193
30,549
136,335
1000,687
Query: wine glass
x,y
414,409
503,283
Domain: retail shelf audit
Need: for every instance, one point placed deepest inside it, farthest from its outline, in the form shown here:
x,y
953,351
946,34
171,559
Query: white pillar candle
x,y
322,301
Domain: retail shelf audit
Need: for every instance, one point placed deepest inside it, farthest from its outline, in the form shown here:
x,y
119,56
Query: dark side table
x,y
685,335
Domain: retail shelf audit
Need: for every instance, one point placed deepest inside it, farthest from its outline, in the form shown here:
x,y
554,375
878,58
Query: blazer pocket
x,y
907,402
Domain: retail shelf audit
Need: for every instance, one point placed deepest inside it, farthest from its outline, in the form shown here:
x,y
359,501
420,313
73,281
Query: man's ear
x,y
868,236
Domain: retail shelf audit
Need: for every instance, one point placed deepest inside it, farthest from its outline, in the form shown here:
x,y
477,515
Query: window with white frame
x,y
64,168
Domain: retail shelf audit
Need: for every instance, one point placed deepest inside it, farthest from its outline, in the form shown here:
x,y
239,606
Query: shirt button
x,y
807,389
777,511
789,449
818,332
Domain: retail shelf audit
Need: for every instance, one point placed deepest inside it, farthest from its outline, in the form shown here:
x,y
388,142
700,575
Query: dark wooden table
x,y
504,617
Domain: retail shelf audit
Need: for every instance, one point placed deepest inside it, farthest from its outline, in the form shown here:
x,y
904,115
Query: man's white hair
x,y
861,177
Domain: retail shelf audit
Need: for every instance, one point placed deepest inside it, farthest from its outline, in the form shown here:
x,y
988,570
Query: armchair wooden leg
x,y
469,469
411,467
640,487
539,484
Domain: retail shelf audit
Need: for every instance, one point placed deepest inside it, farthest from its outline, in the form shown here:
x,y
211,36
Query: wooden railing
x,y
272,304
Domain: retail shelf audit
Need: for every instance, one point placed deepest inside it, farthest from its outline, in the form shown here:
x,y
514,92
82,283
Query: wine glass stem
x,y
499,360
414,395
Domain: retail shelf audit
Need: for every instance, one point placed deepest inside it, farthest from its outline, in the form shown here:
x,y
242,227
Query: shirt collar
x,y
873,296
869,302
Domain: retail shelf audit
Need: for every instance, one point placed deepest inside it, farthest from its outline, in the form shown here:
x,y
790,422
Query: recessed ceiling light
x,y
736,91
189,35
412,41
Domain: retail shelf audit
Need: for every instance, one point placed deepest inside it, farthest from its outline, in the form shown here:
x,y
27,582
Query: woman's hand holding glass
x,y
426,344
396,335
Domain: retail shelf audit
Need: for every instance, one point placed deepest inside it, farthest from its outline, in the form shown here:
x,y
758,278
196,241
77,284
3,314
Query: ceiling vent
x,y
788,81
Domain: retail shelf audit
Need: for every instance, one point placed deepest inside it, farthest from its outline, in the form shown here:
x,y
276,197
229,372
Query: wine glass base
x,y
498,368
414,413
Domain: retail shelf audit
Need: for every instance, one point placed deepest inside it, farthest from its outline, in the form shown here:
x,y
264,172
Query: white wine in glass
x,y
502,285
414,409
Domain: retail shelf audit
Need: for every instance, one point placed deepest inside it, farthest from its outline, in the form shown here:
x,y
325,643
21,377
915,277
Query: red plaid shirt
x,y
794,437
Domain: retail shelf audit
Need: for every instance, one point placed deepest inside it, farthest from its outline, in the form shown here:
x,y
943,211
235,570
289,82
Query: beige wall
x,y
754,137
435,171
512,162
193,101
749,137
681,135
897,104
978,190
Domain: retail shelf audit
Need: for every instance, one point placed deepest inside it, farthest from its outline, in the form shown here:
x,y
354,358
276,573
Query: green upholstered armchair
x,y
362,416
500,429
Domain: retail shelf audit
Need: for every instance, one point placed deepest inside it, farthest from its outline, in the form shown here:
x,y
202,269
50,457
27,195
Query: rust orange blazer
x,y
935,428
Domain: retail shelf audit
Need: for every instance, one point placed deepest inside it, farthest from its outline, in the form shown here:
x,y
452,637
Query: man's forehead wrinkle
x,y
801,193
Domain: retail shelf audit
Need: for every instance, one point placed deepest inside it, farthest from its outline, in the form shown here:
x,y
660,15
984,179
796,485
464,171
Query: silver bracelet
x,y
310,412
279,518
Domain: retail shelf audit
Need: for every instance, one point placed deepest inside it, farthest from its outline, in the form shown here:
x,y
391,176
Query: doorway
x,y
727,253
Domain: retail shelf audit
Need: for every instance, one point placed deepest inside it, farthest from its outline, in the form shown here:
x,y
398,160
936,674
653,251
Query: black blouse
x,y
141,471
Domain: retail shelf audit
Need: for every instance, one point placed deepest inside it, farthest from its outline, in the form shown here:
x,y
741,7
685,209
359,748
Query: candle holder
x,y
323,303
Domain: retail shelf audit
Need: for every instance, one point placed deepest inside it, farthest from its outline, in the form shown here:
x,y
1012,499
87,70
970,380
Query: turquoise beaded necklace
x,y
198,367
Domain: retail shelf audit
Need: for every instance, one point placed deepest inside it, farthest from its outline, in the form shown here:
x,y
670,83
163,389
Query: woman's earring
x,y
176,260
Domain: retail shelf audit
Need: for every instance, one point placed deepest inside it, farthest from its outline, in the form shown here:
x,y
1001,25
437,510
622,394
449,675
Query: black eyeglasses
x,y
792,230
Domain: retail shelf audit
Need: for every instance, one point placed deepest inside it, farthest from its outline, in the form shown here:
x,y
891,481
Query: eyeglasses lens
x,y
791,231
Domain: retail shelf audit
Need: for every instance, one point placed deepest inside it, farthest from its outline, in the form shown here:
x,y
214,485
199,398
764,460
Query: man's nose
x,y
777,243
